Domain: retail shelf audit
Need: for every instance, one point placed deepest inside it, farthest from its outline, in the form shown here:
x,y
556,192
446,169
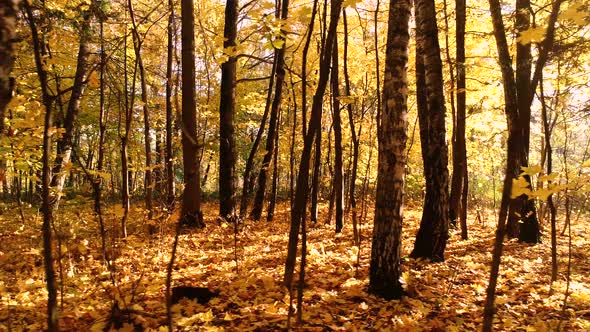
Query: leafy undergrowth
x,y
443,296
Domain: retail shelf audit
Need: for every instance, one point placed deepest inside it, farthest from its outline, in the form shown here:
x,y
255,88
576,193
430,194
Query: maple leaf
x,y
531,35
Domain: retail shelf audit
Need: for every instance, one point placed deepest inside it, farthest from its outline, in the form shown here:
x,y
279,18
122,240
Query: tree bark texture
x,y
460,176
385,271
227,108
434,227
8,12
47,206
170,193
191,200
337,122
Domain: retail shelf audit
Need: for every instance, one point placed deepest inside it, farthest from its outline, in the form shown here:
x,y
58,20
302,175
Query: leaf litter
x,y
446,296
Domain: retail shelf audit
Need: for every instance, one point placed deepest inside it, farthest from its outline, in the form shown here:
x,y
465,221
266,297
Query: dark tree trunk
x,y
227,106
8,12
354,137
256,212
338,172
460,149
550,204
315,181
514,144
385,271
148,180
170,193
65,144
47,206
459,179
246,188
191,214
299,206
272,200
434,227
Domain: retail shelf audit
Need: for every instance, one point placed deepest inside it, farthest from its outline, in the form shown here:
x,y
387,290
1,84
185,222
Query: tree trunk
x,y
299,206
459,148
65,144
550,204
170,192
385,271
148,180
8,12
191,214
227,106
47,206
256,212
338,172
250,161
315,182
434,227
272,201
354,137
459,178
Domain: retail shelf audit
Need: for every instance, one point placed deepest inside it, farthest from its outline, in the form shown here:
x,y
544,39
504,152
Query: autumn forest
x,y
306,165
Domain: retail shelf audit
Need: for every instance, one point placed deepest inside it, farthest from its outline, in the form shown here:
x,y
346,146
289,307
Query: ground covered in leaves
x,y
247,267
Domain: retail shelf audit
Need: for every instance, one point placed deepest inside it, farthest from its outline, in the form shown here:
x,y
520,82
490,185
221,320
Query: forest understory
x,y
444,296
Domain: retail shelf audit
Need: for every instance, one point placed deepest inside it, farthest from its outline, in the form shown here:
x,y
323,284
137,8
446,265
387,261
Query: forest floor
x,y
442,297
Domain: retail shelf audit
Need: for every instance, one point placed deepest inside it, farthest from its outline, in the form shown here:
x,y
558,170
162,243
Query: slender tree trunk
x,y
227,106
191,214
170,190
272,201
65,144
298,211
308,35
385,270
148,180
434,227
338,171
250,161
256,212
315,182
353,134
8,21
459,179
47,206
460,149
511,109
549,159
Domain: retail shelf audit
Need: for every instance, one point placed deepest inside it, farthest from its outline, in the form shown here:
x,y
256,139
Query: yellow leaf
x,y
520,186
531,170
98,326
531,35
575,13
550,177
